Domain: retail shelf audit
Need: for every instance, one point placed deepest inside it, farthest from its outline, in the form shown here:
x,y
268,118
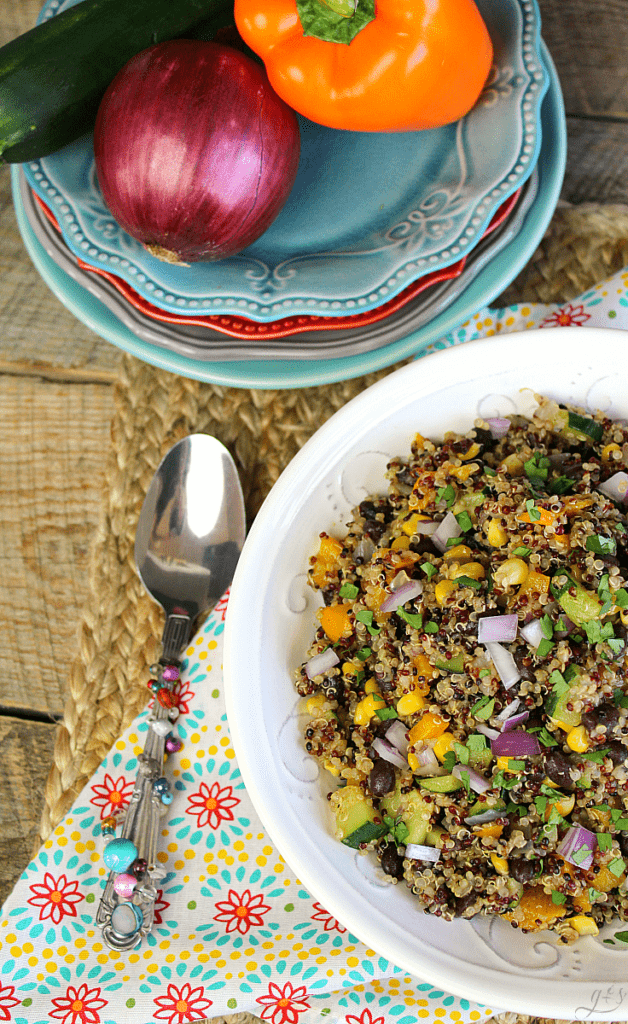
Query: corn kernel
x,y
410,703
474,570
315,704
511,466
503,763
442,590
443,744
608,450
457,553
623,614
367,708
413,761
548,782
511,572
488,831
500,864
400,544
577,739
332,768
349,669
583,925
564,805
424,667
409,525
471,452
496,534
371,686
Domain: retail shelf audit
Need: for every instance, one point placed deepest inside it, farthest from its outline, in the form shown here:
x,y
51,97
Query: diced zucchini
x,y
355,817
441,784
411,809
480,806
450,664
480,759
579,604
584,428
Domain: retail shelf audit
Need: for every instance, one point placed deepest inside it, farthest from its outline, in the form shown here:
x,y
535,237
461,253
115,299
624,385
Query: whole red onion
x,y
195,152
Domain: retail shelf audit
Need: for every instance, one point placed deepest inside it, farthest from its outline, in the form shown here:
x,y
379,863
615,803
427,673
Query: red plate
x,y
240,327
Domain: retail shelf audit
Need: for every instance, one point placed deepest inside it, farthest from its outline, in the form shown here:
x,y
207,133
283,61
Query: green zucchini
x,y
53,77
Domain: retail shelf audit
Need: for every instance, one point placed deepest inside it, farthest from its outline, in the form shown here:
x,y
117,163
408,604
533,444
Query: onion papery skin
x,y
195,153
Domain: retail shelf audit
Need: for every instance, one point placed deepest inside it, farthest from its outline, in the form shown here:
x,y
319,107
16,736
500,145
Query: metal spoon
x,y
189,537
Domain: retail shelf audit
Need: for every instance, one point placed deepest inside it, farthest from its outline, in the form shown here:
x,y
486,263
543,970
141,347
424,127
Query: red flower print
x,y
221,608
331,924
365,1018
111,796
56,898
160,907
7,1000
283,1004
241,912
211,804
568,316
78,1006
183,695
181,1004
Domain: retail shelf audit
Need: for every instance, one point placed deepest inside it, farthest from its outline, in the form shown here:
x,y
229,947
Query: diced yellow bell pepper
x,y
400,544
423,666
409,525
410,703
366,708
334,619
583,925
535,583
496,534
315,704
577,739
474,570
457,553
371,686
444,744
326,558
429,726
608,450
500,864
442,590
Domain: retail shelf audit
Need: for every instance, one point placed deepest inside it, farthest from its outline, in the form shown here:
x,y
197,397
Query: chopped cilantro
x,y
519,809
462,752
430,627
555,817
594,894
559,686
365,616
558,898
621,824
584,425
464,521
465,779
476,742
502,782
571,672
515,765
532,510
446,494
617,867
603,588
349,590
452,542
466,581
620,698
547,627
616,645
414,620
484,672
581,855
621,598
522,551
595,755
604,841
547,739
600,544
544,648
483,709
429,569
596,632
561,484
489,471
622,936
384,714
540,802
449,760
615,813
364,653
537,468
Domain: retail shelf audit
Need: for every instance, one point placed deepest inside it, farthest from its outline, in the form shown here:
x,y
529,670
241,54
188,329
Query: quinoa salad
x,y
466,686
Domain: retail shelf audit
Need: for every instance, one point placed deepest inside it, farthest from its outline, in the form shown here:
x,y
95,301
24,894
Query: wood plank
x,y
54,440
597,162
26,758
589,45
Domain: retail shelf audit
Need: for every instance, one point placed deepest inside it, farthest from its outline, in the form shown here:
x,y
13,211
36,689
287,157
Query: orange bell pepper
x,y
418,64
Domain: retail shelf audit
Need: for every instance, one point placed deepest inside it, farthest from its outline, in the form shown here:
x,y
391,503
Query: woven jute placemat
x,y
118,636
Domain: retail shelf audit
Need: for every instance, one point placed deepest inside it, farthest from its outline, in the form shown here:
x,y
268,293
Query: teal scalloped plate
x,y
369,212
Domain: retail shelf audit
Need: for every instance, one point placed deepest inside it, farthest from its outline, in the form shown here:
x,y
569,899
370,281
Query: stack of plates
x,y
387,241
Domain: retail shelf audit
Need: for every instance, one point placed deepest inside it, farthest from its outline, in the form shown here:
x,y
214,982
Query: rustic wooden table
x,y
56,404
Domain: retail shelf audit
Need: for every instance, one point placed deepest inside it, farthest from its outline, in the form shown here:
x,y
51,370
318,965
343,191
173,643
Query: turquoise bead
x,y
119,854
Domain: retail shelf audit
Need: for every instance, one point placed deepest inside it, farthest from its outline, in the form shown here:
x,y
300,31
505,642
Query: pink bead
x,y
173,744
170,674
124,884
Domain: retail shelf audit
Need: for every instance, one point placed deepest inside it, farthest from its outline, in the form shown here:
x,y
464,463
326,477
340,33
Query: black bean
x,y
524,870
523,662
623,842
464,904
423,546
391,862
382,778
604,714
557,768
617,752
484,438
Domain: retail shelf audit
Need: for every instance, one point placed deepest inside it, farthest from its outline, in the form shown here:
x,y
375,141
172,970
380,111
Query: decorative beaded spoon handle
x,y
189,537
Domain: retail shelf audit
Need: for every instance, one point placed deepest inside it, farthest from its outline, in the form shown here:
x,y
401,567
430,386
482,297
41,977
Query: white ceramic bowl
x,y
271,620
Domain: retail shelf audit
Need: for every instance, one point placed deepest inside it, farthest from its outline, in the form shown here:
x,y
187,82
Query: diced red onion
x,y
448,528
532,632
577,838
388,752
399,597
487,731
397,734
429,764
492,814
499,426
426,527
504,663
477,782
515,720
502,628
517,743
416,852
616,487
508,710
321,663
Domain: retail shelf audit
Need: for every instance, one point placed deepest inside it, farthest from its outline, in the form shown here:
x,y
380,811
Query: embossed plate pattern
x,y
272,606
336,248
